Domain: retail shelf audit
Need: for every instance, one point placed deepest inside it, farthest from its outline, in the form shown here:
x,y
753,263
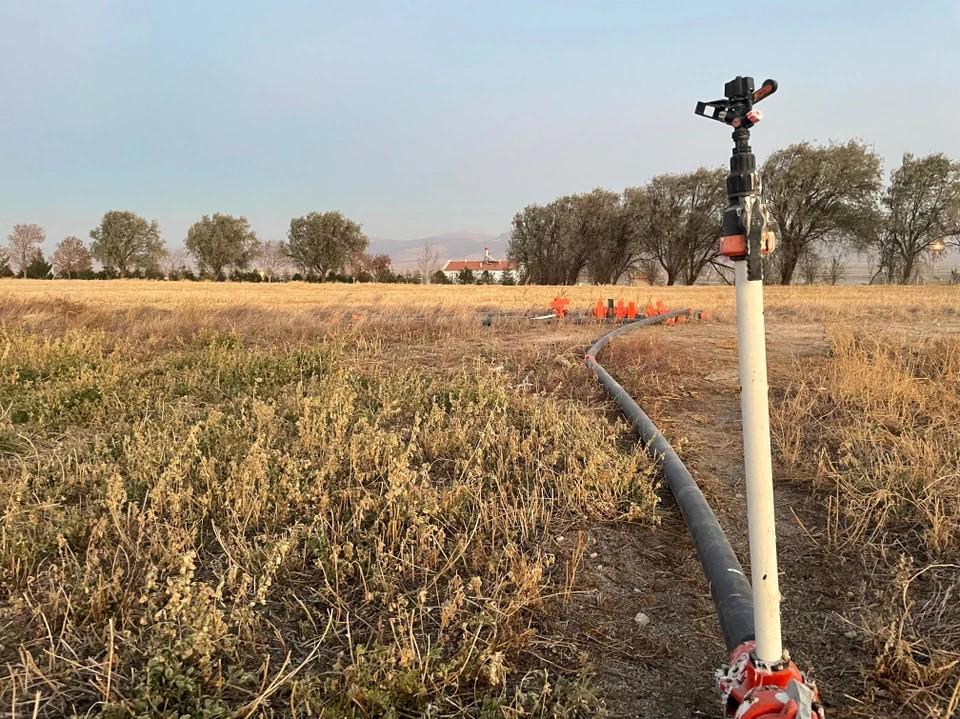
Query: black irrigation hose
x,y
729,586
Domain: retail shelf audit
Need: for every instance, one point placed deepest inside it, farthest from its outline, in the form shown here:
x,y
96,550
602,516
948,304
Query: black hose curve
x,y
729,586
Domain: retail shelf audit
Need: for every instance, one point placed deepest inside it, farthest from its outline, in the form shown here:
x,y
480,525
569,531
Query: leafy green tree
x,y
220,241
320,243
597,230
124,243
508,279
485,278
23,243
920,214
39,268
71,258
439,278
820,195
465,277
245,276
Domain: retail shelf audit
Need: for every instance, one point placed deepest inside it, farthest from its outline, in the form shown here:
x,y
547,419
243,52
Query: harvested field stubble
x,y
295,309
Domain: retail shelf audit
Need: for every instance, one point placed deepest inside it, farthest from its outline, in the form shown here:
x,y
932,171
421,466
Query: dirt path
x,y
686,379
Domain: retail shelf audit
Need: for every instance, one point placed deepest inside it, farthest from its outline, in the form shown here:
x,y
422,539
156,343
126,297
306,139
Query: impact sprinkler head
x,y
736,109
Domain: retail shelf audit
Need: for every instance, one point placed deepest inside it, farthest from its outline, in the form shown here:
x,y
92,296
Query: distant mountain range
x,y
450,246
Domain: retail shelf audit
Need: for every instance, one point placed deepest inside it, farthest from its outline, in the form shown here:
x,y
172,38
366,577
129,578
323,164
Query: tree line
x,y
319,246
825,199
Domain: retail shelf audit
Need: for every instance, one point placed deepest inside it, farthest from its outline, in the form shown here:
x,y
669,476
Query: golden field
x,y
239,500
297,297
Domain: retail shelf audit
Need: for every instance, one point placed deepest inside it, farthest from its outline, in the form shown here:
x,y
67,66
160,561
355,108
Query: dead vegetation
x,y
876,427
295,500
219,529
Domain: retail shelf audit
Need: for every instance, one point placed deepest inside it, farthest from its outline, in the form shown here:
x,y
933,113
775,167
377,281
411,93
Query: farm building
x,y
496,268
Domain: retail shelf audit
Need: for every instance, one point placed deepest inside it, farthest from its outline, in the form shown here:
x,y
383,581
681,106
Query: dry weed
x,y
880,419
214,528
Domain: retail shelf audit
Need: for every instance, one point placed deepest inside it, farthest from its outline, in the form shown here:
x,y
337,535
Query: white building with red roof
x,y
496,268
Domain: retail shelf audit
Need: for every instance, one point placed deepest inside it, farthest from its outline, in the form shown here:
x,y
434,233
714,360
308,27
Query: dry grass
x,y
208,526
881,417
297,500
201,302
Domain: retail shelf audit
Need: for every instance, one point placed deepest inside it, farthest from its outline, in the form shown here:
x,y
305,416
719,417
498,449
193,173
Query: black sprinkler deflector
x,y
729,587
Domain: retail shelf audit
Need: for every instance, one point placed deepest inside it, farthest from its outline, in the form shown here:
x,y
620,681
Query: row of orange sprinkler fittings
x,y
618,311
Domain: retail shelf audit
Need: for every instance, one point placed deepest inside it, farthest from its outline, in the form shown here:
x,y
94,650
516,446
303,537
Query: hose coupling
x,y
754,690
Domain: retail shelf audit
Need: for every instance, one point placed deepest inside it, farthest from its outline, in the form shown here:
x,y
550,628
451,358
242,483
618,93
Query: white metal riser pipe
x,y
751,346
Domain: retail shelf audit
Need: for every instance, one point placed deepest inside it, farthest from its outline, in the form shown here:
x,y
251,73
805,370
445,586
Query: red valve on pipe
x,y
754,691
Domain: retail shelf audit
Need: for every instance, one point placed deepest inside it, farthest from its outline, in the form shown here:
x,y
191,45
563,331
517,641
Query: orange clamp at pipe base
x,y
754,691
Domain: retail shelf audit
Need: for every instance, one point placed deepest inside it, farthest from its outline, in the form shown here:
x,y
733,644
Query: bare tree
x,y
837,270
649,271
71,257
272,258
176,263
810,266
428,261
23,243
379,266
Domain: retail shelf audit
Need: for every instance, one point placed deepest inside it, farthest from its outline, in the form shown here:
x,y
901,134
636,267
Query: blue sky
x,y
417,118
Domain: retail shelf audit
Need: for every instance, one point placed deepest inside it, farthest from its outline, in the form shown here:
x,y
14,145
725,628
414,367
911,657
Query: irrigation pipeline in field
x,y
729,587
751,688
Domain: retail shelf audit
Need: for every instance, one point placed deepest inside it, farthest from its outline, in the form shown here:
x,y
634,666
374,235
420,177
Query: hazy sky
x,y
417,118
